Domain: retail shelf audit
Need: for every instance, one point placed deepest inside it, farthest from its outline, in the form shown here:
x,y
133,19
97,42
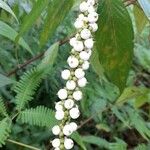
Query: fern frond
x,y
2,108
5,129
39,116
141,147
26,87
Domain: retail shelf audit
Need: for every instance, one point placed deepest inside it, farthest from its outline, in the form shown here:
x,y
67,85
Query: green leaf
x,y
39,116
5,129
57,11
30,19
102,143
145,4
114,41
6,7
5,81
26,87
136,93
10,33
2,107
140,18
78,139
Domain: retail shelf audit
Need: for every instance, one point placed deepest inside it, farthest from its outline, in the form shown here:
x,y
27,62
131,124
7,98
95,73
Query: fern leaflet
x,y
39,116
2,108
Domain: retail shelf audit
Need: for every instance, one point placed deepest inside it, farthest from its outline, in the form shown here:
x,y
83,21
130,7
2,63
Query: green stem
x,y
22,144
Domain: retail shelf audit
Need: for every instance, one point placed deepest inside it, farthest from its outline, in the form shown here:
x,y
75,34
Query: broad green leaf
x,y
6,7
114,41
102,143
5,81
57,11
145,4
78,139
30,19
10,33
140,18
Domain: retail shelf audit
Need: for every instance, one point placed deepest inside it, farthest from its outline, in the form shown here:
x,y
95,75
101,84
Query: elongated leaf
x,y
56,13
145,4
115,40
78,139
5,80
6,7
30,19
10,33
3,111
102,143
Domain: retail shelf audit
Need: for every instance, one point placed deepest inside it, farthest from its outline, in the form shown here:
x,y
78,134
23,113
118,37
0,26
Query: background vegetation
x,y
33,51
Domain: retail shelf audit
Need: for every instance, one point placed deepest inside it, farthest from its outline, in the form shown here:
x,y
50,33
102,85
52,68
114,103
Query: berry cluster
x,y
78,61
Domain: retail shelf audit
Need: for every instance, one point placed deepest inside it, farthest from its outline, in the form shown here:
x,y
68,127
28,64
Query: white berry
x,y
84,55
74,113
79,73
59,115
78,46
71,85
58,106
83,7
85,34
89,43
85,65
82,82
78,23
90,2
73,126
62,94
77,95
56,130
72,41
92,17
65,74
73,61
69,103
67,130
94,26
56,143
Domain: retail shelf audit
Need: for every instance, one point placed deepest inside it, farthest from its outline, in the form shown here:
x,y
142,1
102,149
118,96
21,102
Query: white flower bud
x,y
78,23
94,26
77,95
67,130
90,2
65,74
68,143
92,17
56,143
74,113
56,130
85,34
58,106
59,115
85,65
83,7
81,16
78,46
89,43
84,55
82,82
62,94
79,73
69,103
73,126
73,61
71,85
72,41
